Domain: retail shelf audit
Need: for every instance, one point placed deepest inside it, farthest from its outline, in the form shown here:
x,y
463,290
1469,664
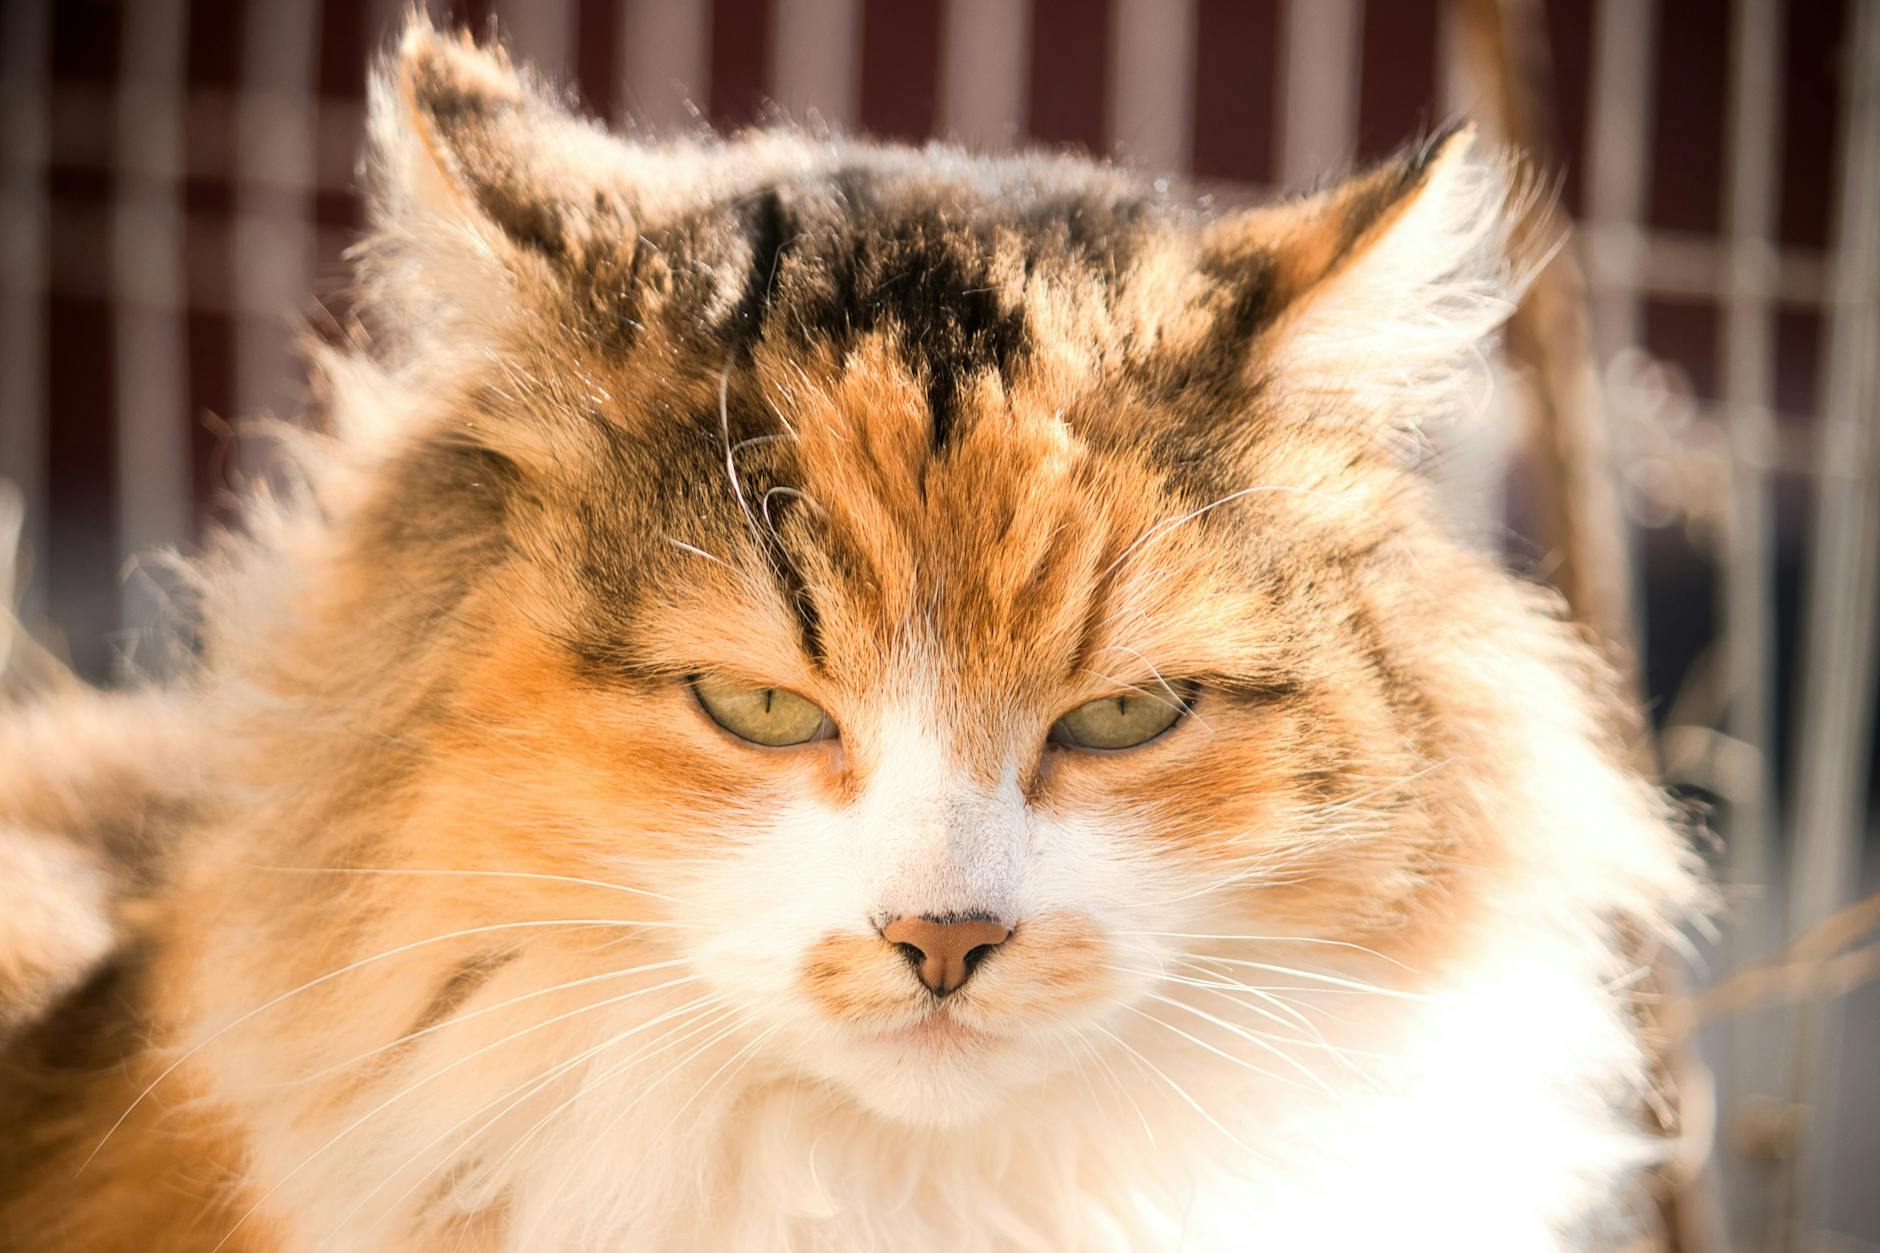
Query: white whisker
x,y
456,1019
1163,527
520,1093
1313,976
1274,939
652,1085
712,1018
167,1071
1115,1083
408,1089
1182,1092
427,871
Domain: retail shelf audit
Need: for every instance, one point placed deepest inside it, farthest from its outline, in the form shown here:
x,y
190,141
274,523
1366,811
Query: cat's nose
x,y
945,950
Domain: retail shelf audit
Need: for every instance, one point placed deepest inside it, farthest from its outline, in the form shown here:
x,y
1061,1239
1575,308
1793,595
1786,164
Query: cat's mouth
x,y
938,1029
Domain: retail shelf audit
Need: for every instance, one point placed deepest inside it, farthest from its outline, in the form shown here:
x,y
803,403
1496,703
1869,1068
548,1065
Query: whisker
x,y
652,1085
490,1009
1274,939
731,461
408,1089
748,1051
479,874
755,440
1253,872
1181,1092
1227,992
713,1018
1214,980
1215,1049
1253,1038
486,929
696,551
1351,985
1163,527
1115,1083
527,1088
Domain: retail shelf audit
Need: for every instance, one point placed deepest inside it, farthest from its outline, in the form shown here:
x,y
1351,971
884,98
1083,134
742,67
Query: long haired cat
x,y
830,696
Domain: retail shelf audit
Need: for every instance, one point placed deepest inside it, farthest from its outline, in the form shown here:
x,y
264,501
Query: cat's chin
x,y
925,1096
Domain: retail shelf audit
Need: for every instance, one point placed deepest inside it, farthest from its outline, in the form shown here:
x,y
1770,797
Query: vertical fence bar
x,y
665,60
1152,73
1618,143
1843,632
1618,149
1749,372
275,174
985,47
814,62
1747,607
542,32
25,48
1319,119
1579,514
152,391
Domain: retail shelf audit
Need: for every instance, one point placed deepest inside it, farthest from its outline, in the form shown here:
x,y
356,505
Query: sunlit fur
x,y
465,928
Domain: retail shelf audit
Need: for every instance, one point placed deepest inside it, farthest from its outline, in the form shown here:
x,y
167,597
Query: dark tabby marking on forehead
x,y
770,231
844,255
1151,329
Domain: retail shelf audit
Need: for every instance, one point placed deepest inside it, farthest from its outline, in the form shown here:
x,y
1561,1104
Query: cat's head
x,y
952,598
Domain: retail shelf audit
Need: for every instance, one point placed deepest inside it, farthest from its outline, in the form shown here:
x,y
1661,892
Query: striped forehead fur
x,y
682,255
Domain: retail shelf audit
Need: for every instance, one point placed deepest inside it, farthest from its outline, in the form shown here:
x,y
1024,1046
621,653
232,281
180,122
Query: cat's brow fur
x,y
949,445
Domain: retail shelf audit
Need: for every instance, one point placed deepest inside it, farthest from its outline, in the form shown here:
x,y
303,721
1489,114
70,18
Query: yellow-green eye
x,y
763,715
1122,721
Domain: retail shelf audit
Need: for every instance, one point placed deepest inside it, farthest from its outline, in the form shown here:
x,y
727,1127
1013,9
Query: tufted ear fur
x,y
490,194
493,206
1372,299
462,135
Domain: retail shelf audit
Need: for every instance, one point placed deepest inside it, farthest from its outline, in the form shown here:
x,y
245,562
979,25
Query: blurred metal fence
x,y
177,175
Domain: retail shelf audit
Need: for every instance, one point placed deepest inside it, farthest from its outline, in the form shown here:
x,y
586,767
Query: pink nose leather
x,y
944,952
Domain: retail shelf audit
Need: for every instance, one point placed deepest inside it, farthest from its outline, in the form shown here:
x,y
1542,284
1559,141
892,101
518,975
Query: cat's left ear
x,y
1371,299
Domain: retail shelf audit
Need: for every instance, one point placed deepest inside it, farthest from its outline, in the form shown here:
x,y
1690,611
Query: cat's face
x,y
1016,694
939,594
939,689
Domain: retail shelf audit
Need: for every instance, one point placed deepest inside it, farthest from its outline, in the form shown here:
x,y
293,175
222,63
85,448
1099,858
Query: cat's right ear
x,y
481,173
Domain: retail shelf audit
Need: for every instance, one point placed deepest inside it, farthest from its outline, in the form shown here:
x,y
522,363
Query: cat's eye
x,y
769,716
1122,721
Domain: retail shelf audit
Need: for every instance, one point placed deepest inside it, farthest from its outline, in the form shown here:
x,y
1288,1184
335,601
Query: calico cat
x,y
824,695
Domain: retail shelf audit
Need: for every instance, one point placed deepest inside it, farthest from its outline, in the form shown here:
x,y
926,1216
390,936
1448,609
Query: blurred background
x,y
1689,446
